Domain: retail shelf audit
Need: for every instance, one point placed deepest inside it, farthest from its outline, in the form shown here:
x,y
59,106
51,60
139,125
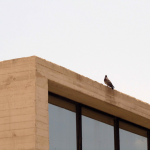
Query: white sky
x,y
91,37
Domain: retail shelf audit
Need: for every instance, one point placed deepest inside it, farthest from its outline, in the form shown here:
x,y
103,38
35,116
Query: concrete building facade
x,y
27,86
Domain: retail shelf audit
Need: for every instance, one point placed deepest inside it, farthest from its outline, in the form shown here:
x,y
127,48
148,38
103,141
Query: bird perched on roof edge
x,y
108,82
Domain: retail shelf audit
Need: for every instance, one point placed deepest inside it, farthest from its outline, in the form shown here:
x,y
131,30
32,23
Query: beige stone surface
x,y
24,86
86,91
17,104
42,122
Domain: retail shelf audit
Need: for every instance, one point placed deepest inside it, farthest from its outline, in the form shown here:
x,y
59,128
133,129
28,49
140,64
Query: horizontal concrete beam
x,y
91,93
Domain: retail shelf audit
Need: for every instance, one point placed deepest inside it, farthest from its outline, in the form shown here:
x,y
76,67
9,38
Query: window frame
x,y
116,120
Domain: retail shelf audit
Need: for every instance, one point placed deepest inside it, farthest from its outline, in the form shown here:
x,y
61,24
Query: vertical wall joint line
x,y
116,134
79,126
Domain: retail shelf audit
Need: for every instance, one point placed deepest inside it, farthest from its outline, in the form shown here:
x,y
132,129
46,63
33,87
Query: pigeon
x,y
108,82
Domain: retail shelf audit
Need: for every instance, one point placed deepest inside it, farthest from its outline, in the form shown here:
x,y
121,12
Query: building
x,y
44,106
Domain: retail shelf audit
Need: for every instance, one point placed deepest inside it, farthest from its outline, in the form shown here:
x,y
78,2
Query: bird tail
x,y
112,87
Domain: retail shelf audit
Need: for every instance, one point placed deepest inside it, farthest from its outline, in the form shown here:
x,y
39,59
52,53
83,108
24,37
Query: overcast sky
x,y
91,37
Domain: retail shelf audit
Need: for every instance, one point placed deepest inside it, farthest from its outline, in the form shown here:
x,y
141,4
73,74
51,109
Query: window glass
x,y
62,128
132,137
97,135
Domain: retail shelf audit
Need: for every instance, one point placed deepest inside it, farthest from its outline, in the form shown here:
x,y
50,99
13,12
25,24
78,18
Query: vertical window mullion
x,y
116,134
79,126
148,140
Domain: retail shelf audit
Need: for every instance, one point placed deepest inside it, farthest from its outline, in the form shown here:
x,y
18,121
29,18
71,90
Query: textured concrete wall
x,y
24,86
42,122
17,104
86,91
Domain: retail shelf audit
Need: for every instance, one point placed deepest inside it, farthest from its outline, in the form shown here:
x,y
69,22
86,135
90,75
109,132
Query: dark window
x,y
132,137
62,125
97,131
73,126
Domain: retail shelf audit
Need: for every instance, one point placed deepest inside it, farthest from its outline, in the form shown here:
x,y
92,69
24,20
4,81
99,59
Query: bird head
x,y
105,76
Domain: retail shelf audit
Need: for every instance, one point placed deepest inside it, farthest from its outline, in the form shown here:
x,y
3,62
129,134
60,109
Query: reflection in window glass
x,y
62,128
96,135
132,141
